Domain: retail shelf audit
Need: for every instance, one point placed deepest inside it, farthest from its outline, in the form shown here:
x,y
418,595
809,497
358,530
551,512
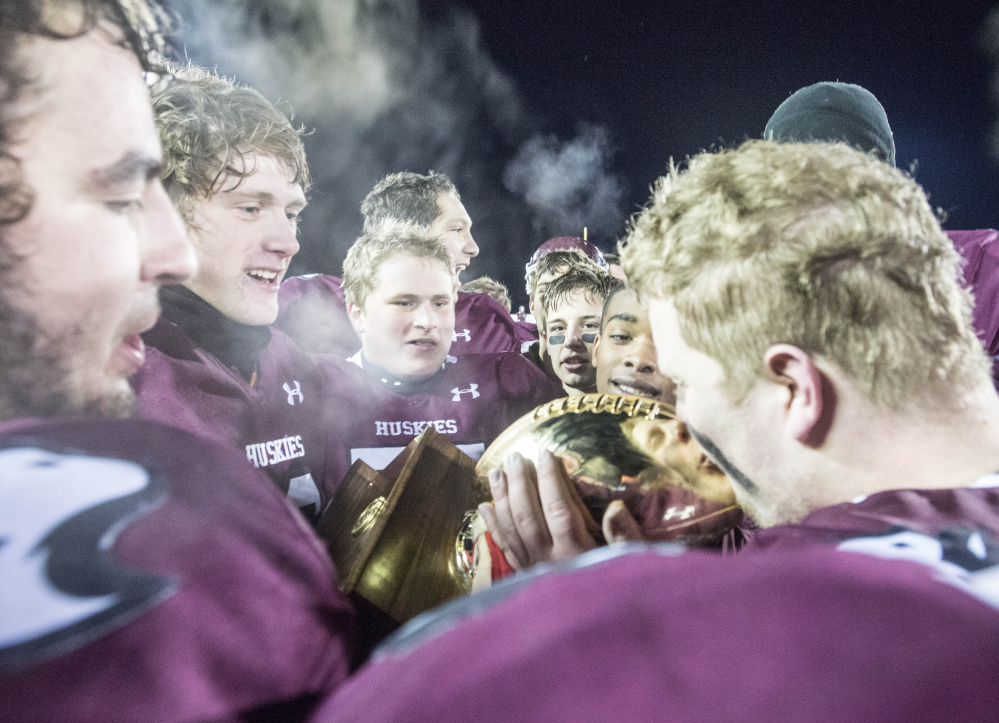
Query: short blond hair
x,y
496,290
206,123
370,251
814,245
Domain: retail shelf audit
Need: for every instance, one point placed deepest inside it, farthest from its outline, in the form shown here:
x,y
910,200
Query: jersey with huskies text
x,y
277,423
471,401
149,574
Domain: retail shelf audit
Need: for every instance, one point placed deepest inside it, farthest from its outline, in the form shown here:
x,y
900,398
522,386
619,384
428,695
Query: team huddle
x,y
176,415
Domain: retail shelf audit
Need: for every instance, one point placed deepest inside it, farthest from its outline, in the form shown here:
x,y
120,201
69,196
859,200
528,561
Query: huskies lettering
x,y
411,429
264,454
59,516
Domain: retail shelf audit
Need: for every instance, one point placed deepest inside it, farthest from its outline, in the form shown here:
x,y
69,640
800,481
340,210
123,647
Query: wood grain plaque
x,y
396,542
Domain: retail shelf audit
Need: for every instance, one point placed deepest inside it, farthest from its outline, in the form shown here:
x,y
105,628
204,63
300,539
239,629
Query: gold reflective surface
x,y
627,448
366,520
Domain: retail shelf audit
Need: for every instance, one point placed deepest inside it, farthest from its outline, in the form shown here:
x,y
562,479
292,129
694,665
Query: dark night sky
x,y
670,79
477,88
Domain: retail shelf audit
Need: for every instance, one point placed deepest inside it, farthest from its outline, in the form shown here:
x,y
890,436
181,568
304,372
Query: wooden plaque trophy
x,y
401,538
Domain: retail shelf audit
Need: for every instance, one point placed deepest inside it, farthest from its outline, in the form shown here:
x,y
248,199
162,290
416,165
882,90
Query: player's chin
x,y
109,397
418,369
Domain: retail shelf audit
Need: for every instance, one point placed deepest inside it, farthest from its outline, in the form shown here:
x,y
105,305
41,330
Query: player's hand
x,y
538,516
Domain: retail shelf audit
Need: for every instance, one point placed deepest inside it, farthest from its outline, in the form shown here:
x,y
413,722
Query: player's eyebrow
x,y
131,167
625,316
264,197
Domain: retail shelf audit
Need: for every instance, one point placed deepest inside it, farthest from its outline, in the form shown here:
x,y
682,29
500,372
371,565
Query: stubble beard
x,y
37,374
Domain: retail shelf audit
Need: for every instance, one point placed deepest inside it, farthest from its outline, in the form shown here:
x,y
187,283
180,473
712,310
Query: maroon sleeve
x,y
313,312
811,635
482,326
980,250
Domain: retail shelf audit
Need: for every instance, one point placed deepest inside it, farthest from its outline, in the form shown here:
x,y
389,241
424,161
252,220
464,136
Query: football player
x,y
313,307
807,304
399,282
236,170
145,573
624,352
572,306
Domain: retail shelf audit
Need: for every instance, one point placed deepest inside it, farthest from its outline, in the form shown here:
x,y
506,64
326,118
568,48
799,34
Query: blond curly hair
x,y
370,251
208,123
815,245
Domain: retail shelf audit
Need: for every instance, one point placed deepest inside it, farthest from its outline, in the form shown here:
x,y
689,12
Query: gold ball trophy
x,y
404,538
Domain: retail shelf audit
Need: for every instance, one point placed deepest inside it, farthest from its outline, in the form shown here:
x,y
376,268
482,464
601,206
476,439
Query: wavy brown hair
x,y
140,24
208,124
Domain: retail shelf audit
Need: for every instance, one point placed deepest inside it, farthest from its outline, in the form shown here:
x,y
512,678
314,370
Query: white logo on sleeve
x,y
685,514
467,334
59,516
963,558
472,389
294,392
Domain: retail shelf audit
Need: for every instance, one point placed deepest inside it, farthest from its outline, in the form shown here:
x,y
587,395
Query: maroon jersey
x,y
807,635
276,423
980,250
313,313
936,514
470,401
148,574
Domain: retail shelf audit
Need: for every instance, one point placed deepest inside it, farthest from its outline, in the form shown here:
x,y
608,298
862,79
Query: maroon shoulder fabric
x,y
482,326
278,424
473,400
980,250
313,313
807,635
927,512
149,574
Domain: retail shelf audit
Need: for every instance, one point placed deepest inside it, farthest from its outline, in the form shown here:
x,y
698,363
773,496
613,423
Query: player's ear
x,y
356,315
802,391
596,345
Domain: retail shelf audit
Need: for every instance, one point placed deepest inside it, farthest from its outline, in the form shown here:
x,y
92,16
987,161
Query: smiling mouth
x,y
423,343
266,276
637,389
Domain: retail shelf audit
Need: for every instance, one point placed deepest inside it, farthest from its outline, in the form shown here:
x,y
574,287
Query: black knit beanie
x,y
827,112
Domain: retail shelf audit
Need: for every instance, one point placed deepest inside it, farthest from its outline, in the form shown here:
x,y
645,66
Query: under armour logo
x,y
473,390
292,393
685,514
467,334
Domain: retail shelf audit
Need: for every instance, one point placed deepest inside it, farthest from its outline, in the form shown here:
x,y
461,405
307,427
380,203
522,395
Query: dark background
x,y
635,83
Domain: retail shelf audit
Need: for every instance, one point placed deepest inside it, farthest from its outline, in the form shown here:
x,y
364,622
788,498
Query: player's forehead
x,y
451,211
88,106
577,304
625,308
405,274
675,358
269,180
